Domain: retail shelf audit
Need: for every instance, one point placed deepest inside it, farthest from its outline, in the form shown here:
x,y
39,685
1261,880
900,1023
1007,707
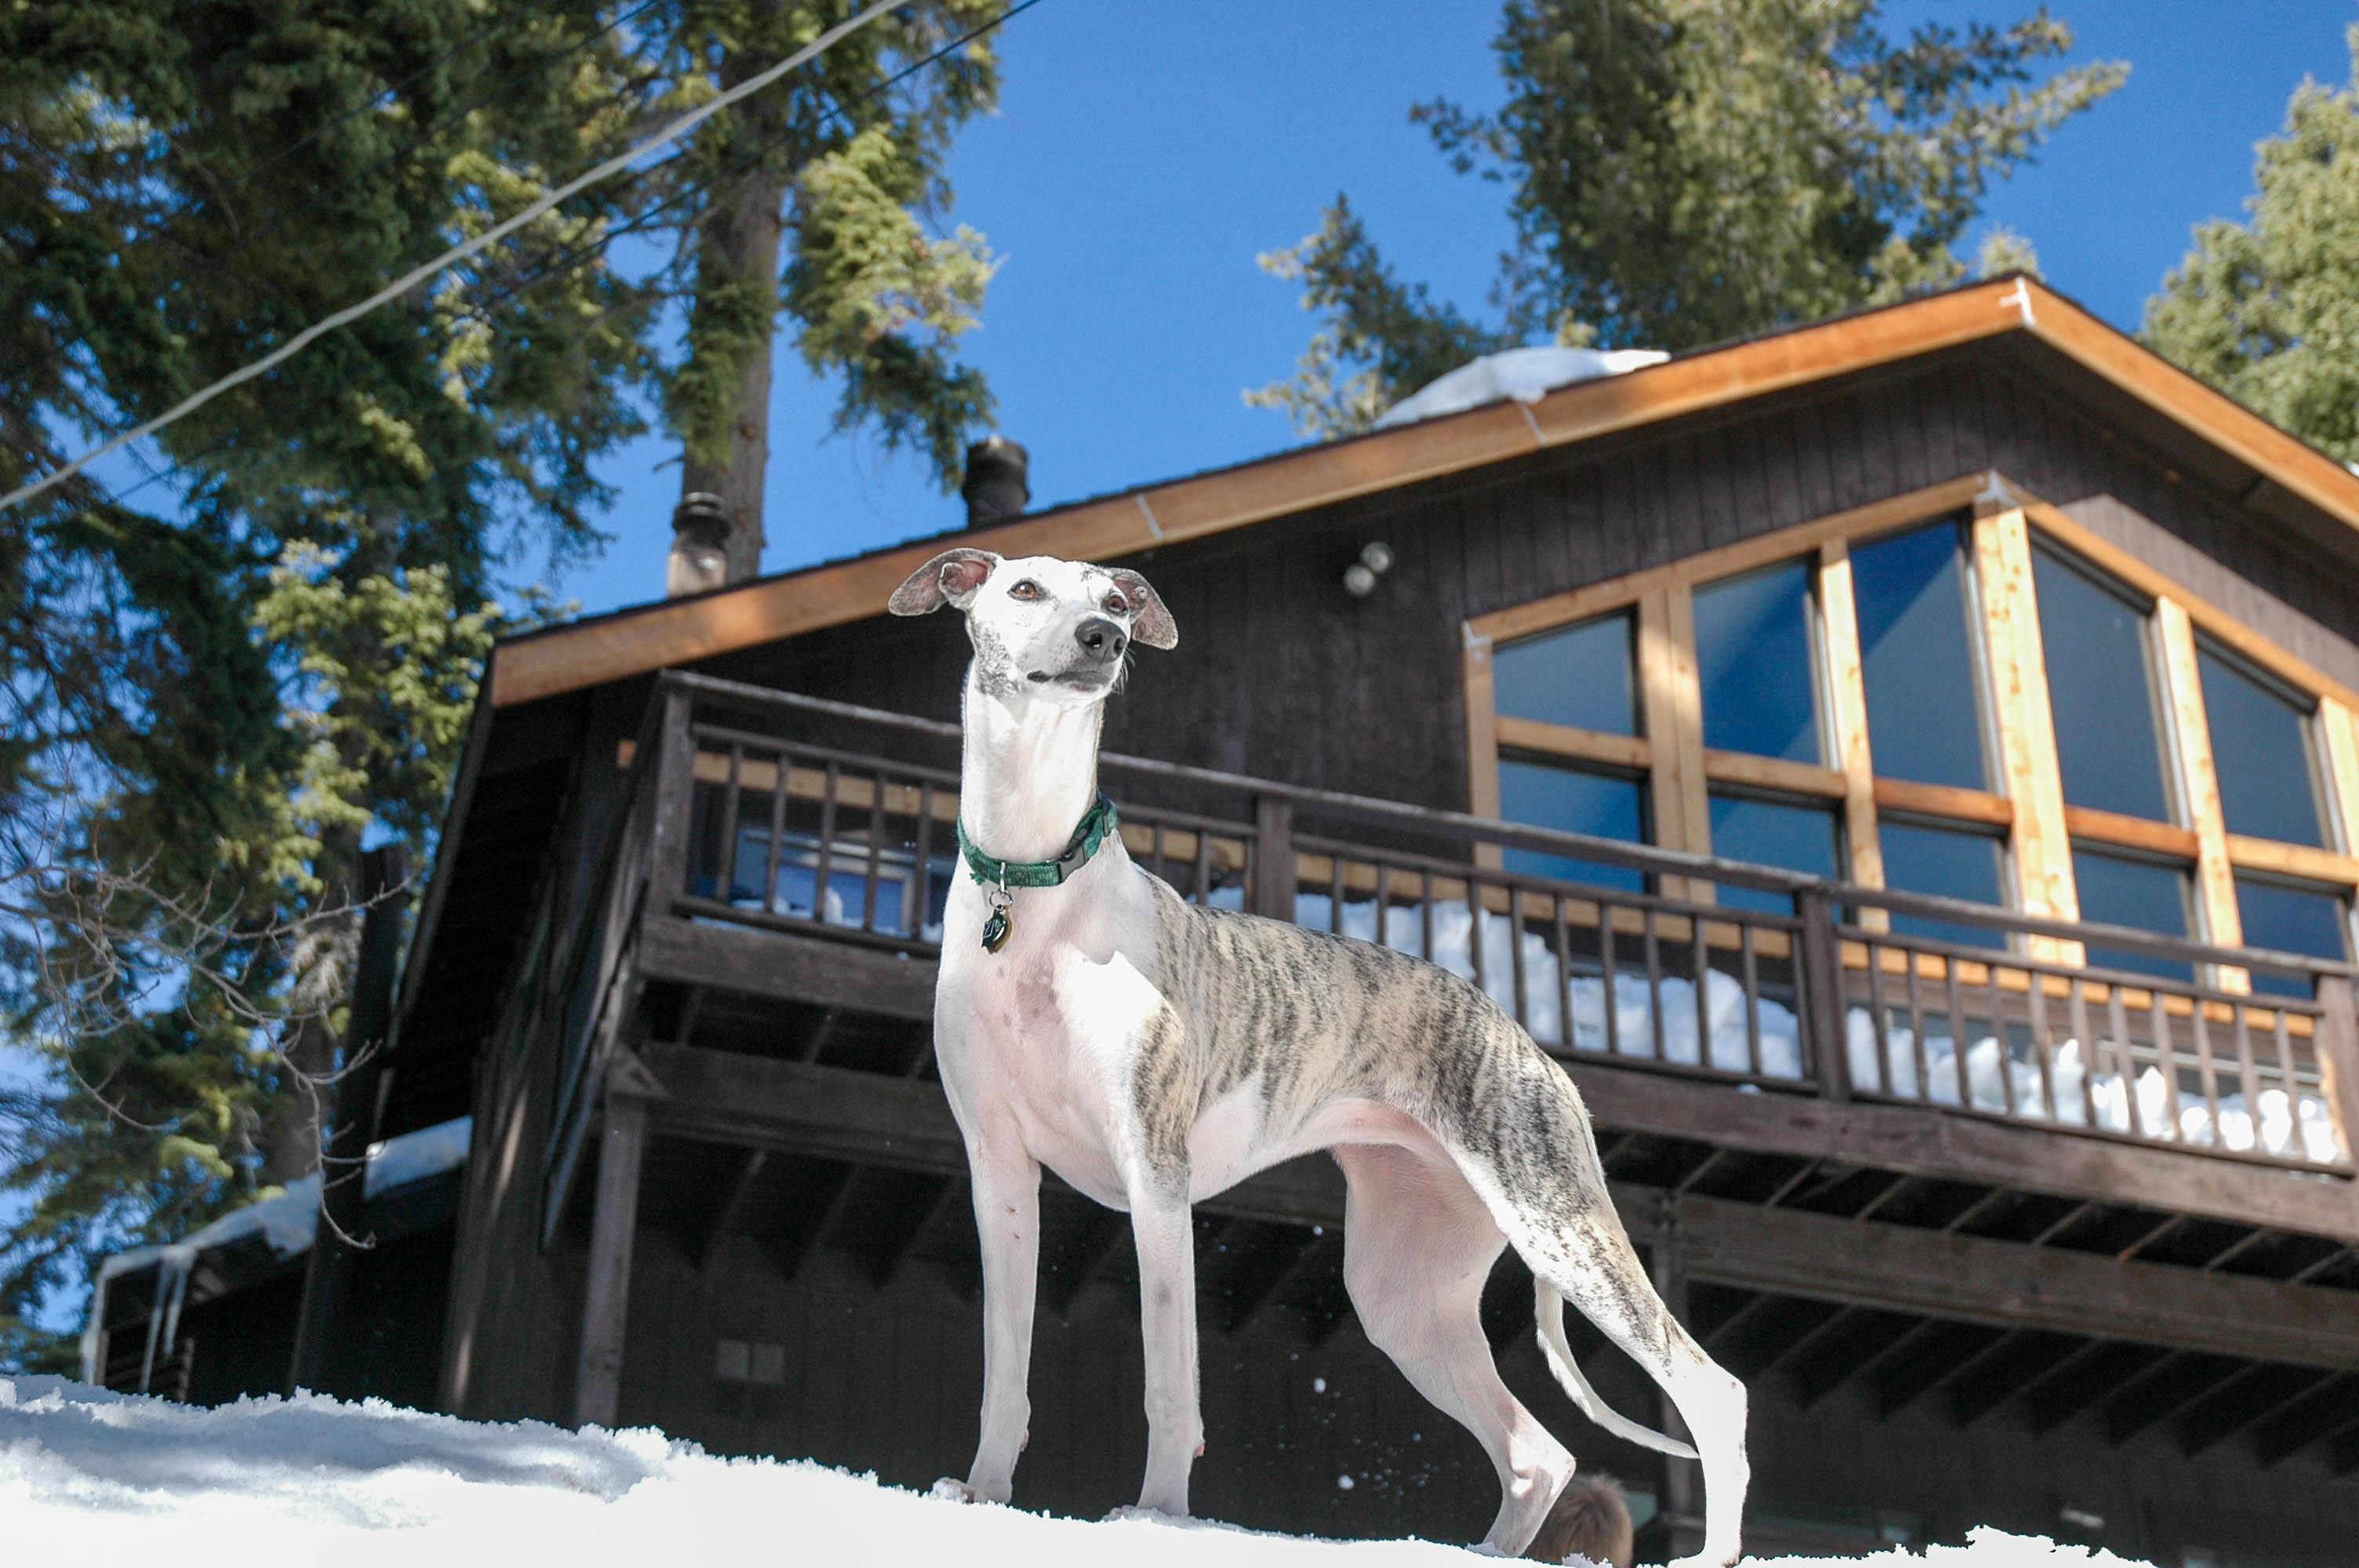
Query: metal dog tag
x,y
995,929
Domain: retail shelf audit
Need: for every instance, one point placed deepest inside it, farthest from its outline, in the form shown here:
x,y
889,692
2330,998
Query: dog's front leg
x,y
1165,1231
1007,1223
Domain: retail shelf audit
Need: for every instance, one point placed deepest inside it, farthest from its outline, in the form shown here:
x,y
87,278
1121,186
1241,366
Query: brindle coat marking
x,y
1154,1052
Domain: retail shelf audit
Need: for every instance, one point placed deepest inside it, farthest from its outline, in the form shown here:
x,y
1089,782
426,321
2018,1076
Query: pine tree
x,y
2267,311
1681,172
214,684
832,175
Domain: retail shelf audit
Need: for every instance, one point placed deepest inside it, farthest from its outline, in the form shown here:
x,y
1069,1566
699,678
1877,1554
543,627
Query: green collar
x,y
1096,825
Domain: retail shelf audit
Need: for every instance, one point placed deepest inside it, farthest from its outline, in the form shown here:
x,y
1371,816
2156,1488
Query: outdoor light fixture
x,y
1360,577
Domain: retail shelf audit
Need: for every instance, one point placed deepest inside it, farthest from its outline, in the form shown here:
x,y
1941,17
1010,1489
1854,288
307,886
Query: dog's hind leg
x,y
1418,1244
1529,1152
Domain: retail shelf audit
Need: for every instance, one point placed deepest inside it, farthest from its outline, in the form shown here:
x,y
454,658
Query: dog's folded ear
x,y
951,577
1151,623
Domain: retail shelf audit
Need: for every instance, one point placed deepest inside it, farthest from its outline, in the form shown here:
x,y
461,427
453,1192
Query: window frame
x,y
2000,527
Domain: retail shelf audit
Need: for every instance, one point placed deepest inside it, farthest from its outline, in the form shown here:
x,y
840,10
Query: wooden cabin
x,y
1904,766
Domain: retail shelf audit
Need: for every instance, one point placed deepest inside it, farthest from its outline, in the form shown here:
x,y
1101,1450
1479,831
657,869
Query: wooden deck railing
x,y
768,810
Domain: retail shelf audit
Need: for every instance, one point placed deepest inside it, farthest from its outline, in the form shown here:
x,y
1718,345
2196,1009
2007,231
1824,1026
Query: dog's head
x,y
1057,631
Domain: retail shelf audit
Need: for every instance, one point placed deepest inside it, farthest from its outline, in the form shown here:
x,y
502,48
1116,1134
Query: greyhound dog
x,y
1154,1052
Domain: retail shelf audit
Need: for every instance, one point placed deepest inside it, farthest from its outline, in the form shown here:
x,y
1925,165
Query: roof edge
x,y
683,632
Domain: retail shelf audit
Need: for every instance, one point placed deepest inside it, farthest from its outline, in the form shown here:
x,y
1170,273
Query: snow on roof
x,y
1524,375
96,1477
286,1223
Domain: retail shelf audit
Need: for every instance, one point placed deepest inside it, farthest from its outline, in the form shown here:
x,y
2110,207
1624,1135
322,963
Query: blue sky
x,y
1144,153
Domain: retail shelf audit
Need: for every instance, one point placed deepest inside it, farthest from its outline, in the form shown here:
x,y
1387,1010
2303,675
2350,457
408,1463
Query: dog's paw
x,y
952,1490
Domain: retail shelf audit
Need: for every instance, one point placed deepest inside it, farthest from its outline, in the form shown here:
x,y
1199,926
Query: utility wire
x,y
569,260
481,242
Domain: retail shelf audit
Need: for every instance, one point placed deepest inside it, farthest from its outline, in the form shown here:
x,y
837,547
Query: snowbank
x,y
93,1477
1524,375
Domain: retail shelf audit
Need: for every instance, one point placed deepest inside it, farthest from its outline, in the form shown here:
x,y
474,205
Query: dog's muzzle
x,y
1101,640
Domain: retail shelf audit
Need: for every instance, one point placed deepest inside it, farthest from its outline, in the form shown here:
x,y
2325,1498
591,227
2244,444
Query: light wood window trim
x,y
2026,727
1846,685
1632,751
1945,803
2198,781
1482,737
1673,719
2338,738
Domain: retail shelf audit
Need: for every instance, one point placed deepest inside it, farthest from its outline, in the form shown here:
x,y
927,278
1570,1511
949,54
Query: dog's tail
x,y
1549,1310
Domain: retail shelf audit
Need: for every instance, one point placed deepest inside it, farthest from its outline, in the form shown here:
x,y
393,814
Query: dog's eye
x,y
1117,603
1028,590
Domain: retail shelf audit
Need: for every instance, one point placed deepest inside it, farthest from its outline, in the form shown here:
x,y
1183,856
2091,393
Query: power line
x,y
460,252
569,260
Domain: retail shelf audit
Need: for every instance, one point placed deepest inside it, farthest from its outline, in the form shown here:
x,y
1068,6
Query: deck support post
x,y
1273,865
1680,1523
1821,962
605,1307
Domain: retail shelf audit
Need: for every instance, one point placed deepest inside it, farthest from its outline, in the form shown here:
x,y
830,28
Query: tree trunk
x,y
290,1132
737,243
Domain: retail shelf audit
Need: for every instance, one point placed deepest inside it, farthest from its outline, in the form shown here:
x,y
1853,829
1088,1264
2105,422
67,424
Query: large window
x,y
1581,677
1944,862
2261,750
2292,917
1772,832
1917,657
1572,800
2101,690
2146,895
1755,665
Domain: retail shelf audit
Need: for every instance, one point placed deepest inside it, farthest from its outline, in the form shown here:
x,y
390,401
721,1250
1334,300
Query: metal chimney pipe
x,y
997,483
699,546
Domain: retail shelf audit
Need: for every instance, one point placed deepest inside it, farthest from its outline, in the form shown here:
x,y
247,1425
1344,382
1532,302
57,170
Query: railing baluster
x,y
925,853
1608,987
2126,1059
1425,915
1917,1029
2207,1072
1752,965
2166,1058
1822,1011
1335,893
1653,979
1515,953
1475,953
1157,860
2335,1042
1959,1029
1203,872
1702,966
2043,1045
1276,882
1878,1026
2002,1043
2089,1061
820,872
769,892
2247,1078
876,851
2292,1082
1563,978
727,891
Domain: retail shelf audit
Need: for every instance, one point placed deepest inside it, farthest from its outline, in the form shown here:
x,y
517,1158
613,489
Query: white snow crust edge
x,y
87,1476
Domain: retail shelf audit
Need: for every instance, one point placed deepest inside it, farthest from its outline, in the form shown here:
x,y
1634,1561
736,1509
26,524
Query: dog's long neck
x,y
1028,770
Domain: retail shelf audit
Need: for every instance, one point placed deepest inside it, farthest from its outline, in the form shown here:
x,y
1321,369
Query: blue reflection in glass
x,y
1917,658
1944,863
1603,805
2136,893
1753,661
1579,676
2101,691
2309,921
1772,833
2260,749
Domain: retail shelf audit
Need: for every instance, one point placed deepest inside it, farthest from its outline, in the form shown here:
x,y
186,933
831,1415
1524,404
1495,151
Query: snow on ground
x,y
1524,375
95,1476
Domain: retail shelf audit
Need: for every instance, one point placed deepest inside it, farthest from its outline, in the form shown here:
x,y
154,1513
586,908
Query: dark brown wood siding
x,y
1279,673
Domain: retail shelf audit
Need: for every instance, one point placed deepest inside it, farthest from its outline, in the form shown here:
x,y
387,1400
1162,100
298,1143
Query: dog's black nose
x,y
1101,639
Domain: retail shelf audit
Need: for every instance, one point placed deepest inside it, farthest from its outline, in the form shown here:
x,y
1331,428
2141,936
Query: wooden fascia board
x,y
669,634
